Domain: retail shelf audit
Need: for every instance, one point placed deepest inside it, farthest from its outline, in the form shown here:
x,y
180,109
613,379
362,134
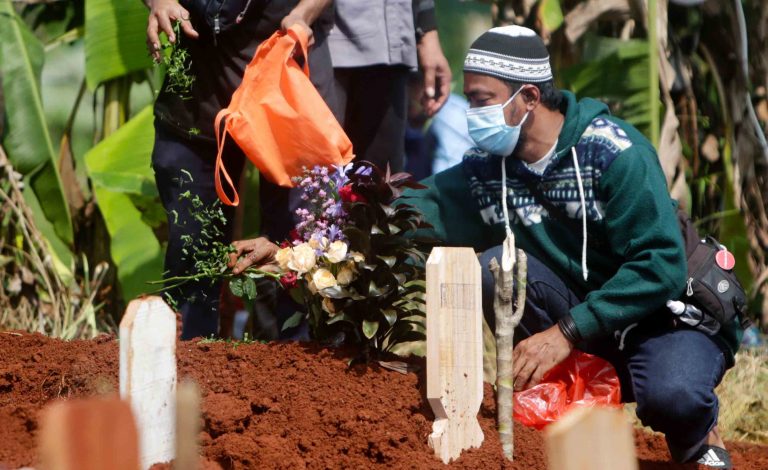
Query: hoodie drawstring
x,y
584,270
504,195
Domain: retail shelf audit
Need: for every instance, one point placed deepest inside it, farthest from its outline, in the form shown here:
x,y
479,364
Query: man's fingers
x,y
522,378
536,377
240,246
164,21
429,81
153,41
186,26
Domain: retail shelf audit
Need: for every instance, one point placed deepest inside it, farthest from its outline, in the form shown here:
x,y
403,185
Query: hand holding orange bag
x,y
278,118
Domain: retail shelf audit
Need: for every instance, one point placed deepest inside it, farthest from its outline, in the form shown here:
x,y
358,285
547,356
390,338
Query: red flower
x,y
285,244
293,235
347,194
289,280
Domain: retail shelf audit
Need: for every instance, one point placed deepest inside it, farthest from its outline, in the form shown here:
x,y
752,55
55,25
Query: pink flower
x,y
347,194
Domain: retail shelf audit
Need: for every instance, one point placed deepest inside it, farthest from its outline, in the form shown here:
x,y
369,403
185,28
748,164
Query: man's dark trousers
x,y
198,302
670,372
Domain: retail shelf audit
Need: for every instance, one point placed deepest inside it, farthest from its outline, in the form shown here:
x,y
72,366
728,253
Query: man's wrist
x,y
568,329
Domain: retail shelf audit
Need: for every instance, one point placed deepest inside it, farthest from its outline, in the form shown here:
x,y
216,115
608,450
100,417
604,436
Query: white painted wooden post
x,y
454,350
148,375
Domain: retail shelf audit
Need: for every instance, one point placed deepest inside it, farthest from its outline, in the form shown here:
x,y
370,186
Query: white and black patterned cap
x,y
511,53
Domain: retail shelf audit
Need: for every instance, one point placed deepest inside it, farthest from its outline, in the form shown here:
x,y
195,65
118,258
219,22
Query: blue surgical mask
x,y
490,131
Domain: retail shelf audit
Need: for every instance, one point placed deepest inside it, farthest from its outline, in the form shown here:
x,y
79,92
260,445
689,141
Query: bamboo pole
x,y
508,316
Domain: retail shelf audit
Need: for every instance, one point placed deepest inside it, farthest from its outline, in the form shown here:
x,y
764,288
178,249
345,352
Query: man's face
x,y
483,90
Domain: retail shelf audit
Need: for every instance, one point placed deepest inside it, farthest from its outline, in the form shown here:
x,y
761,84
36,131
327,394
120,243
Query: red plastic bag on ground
x,y
580,380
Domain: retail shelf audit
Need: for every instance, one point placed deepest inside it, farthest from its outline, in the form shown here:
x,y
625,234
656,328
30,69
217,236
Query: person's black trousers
x,y
182,165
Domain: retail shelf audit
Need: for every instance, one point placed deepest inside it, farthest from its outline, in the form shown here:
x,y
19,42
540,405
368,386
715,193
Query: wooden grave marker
x,y
148,375
88,434
187,426
591,437
454,350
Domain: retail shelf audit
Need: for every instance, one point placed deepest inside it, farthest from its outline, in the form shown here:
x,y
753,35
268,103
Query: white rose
x,y
303,259
323,278
310,284
336,252
345,276
283,257
318,244
356,256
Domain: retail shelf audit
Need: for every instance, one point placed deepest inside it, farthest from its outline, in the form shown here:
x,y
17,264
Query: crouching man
x,y
586,198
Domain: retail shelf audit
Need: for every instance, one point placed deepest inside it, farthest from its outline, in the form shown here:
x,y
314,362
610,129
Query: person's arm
x,y
432,61
304,14
162,15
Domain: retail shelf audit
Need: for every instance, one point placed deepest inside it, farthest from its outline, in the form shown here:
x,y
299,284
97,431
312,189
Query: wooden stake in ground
x,y
507,319
148,375
591,437
187,426
454,350
92,434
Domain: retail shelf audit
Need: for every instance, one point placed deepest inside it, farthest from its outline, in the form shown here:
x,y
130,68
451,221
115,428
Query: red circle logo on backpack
x,y
725,259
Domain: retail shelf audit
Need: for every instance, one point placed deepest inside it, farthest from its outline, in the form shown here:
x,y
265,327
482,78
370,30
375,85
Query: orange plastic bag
x,y
278,118
580,380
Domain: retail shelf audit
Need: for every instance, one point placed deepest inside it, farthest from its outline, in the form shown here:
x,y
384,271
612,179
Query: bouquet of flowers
x,y
354,261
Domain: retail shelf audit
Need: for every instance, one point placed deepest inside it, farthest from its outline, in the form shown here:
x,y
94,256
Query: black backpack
x,y
712,285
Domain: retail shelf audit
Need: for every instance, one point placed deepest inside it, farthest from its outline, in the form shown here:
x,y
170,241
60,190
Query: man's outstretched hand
x,y
258,252
162,14
536,355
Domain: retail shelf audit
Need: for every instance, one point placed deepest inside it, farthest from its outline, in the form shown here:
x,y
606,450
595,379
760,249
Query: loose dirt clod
x,y
278,406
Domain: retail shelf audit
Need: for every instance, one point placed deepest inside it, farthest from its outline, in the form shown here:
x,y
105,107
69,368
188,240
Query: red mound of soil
x,y
276,406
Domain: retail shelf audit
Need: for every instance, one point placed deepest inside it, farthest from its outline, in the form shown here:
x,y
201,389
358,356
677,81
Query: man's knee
x,y
671,404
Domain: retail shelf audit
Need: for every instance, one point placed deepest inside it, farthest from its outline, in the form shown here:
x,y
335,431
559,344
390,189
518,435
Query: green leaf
x,y
550,14
236,287
133,246
391,315
120,166
249,288
370,328
122,162
26,139
339,318
389,260
292,321
115,39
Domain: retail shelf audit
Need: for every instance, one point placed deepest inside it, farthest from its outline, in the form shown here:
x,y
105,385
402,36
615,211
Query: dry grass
x,y
744,398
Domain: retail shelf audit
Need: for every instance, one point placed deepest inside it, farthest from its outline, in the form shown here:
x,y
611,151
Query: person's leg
x,y
547,298
181,165
375,118
674,372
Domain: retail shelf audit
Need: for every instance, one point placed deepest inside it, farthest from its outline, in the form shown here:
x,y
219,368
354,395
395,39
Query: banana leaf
x,y
615,71
25,137
115,32
119,168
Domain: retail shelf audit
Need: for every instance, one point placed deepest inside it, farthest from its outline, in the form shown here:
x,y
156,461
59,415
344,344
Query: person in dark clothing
x,y
374,46
185,151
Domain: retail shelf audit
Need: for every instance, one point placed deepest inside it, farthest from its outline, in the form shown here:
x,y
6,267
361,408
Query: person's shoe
x,y
715,457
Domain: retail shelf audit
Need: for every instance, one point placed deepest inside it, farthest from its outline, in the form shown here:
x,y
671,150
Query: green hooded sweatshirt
x,y
634,260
